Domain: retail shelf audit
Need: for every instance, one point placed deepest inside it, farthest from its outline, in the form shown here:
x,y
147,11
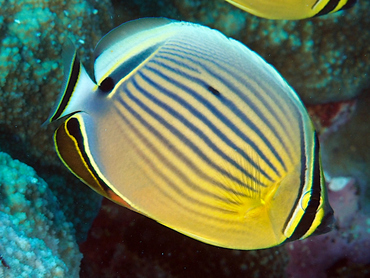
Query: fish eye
x,y
310,203
107,84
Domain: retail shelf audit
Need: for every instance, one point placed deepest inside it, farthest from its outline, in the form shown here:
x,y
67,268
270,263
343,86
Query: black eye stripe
x,y
107,84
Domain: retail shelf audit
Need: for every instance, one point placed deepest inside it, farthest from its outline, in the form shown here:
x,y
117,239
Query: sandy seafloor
x,y
52,225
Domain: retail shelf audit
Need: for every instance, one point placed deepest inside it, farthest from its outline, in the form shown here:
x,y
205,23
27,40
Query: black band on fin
x,y
72,80
74,129
349,4
314,202
329,7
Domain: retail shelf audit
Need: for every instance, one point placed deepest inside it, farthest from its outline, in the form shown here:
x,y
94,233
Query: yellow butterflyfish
x,y
291,9
195,131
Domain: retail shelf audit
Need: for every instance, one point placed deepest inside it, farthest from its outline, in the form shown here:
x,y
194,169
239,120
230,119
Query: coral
x,y
31,38
346,152
325,59
122,243
134,9
347,245
35,238
328,117
79,203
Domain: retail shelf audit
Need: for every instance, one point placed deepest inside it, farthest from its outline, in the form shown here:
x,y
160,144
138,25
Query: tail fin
x,y
77,85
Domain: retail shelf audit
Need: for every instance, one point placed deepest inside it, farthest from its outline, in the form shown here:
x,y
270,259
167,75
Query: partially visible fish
x,y
195,131
291,9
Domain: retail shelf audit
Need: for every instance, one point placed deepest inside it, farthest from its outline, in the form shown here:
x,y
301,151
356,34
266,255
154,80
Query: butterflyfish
x,y
291,9
196,131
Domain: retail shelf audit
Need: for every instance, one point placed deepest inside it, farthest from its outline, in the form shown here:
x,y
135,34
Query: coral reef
x,y
35,238
122,243
32,35
128,10
31,38
328,117
325,59
346,152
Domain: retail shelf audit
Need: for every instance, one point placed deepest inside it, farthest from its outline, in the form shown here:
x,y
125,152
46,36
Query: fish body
x,y
291,9
195,131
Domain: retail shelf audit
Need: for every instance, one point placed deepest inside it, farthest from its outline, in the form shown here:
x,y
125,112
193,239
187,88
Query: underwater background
x,y
52,225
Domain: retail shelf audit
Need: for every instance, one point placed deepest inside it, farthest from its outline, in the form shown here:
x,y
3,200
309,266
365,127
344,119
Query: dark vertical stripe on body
x,y
228,84
186,141
233,88
207,122
303,163
204,55
223,118
314,202
170,166
169,182
193,128
178,62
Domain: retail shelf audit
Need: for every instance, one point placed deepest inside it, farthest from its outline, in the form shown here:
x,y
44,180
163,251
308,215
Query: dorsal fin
x,y
127,29
123,43
76,85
